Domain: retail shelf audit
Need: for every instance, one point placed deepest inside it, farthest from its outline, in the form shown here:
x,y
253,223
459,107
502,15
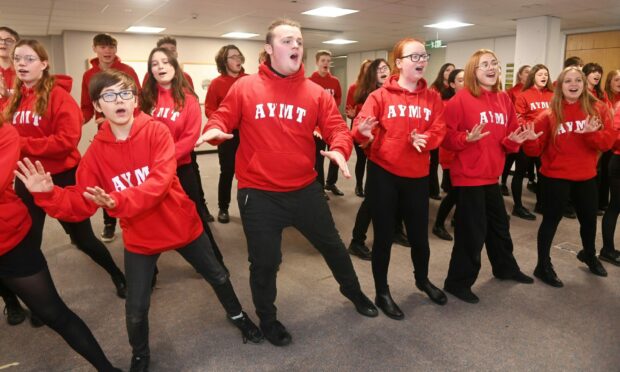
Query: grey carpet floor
x,y
515,327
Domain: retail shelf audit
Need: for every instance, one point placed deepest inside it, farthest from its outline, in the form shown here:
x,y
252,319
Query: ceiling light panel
x,y
330,11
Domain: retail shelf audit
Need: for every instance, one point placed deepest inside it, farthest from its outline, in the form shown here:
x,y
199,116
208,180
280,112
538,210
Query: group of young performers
x,y
139,169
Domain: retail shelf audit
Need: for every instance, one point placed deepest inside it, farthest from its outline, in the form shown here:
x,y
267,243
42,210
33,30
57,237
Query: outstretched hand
x,y
531,132
366,126
592,125
99,197
418,140
339,159
34,177
211,135
476,133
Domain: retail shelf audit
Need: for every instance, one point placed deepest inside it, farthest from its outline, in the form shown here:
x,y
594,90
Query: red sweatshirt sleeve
x,y
603,139
227,116
133,201
332,126
455,139
350,104
338,94
437,130
86,105
191,129
513,124
521,108
616,125
135,77
9,154
66,121
542,123
211,100
371,108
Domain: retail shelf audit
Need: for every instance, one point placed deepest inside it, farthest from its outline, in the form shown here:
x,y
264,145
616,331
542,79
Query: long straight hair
x,y
179,86
531,78
610,93
42,88
590,68
369,82
438,84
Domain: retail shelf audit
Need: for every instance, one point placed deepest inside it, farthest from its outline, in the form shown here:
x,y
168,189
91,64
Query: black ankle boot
x,y
385,302
249,330
139,364
435,294
120,284
15,313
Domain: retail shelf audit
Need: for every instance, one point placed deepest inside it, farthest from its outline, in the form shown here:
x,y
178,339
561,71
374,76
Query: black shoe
x,y
325,195
15,313
532,186
504,190
139,364
442,233
611,256
570,213
334,189
518,277
538,208
359,191
522,212
223,216
120,284
385,302
435,294
249,330
593,263
464,294
360,250
401,239
600,212
435,197
548,275
363,305
35,321
275,333
209,217
109,233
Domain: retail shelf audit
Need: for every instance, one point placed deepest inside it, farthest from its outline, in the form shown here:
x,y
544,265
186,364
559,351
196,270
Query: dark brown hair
x,y
590,68
573,61
438,83
531,78
104,39
109,78
10,31
369,82
221,58
166,40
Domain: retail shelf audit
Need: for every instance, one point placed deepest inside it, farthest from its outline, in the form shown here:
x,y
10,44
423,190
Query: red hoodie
x,y
330,83
86,104
351,101
572,156
15,221
184,125
139,173
616,126
399,112
276,117
445,156
514,92
481,162
218,89
8,75
52,138
531,102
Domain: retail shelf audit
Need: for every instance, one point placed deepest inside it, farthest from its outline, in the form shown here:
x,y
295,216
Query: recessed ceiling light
x,y
339,41
330,11
145,29
239,35
449,24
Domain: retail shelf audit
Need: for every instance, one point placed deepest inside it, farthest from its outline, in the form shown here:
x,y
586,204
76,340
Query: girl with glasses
x,y
404,121
49,122
481,128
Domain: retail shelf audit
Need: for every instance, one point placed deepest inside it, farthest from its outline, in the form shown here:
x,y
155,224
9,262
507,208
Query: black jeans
x,y
360,165
448,202
389,196
226,152
480,219
603,179
81,232
264,215
196,171
140,269
332,172
433,177
522,163
611,214
510,159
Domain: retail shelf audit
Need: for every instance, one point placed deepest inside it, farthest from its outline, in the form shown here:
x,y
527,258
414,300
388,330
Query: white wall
x,y
354,61
438,58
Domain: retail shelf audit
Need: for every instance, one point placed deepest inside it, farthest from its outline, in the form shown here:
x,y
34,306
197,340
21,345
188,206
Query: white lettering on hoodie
x,y
166,113
538,105
411,111
493,117
139,174
571,126
280,110
26,117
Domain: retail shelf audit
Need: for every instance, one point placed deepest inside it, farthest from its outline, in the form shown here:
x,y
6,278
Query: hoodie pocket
x,y
393,150
279,168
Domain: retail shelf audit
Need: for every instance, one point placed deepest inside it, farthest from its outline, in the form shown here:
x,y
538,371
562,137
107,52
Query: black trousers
x,y
610,218
603,179
448,202
226,152
388,196
522,164
556,194
81,232
332,172
192,189
360,165
264,215
480,219
433,177
107,219
510,159
196,171
140,269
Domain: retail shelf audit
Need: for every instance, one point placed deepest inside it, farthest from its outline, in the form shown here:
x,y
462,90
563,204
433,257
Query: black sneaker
x,y
334,189
593,263
108,233
435,197
523,213
610,255
360,250
359,191
248,329
276,333
442,233
15,313
139,364
223,217
504,190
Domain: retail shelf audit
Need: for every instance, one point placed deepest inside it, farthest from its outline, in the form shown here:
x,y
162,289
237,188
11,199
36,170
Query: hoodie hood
x,y
64,81
265,71
392,85
95,62
139,122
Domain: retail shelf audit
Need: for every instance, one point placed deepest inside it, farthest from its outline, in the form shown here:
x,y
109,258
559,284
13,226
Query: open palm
x,y
34,176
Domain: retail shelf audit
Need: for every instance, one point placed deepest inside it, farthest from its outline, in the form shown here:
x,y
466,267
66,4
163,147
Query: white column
x,y
539,40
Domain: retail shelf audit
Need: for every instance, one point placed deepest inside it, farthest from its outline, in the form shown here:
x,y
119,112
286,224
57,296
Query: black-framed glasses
x,y
27,59
112,96
384,69
7,41
415,57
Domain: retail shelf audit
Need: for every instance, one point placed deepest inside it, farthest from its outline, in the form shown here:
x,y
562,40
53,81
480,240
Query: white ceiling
x,y
377,26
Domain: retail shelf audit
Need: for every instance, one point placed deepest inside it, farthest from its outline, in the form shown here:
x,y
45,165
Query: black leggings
x,y
332,172
389,195
81,232
39,294
611,214
602,179
522,163
556,194
360,165
448,202
226,154
433,177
